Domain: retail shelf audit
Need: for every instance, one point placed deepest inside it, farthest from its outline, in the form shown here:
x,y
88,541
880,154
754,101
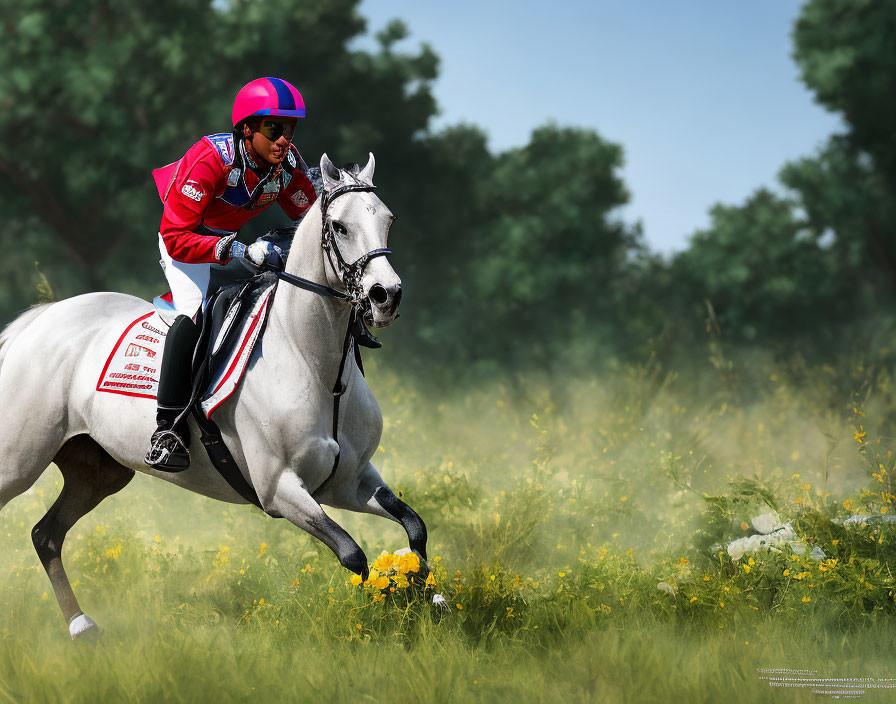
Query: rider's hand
x,y
262,252
258,253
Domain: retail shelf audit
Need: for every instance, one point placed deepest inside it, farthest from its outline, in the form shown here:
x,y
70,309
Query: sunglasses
x,y
273,129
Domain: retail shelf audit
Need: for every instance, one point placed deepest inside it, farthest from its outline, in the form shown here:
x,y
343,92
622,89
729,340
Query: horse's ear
x,y
366,174
329,172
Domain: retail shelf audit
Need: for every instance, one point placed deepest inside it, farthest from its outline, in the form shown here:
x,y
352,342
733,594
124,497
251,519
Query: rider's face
x,y
273,151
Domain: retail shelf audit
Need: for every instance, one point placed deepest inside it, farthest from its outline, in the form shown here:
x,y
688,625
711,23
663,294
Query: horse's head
x,y
356,232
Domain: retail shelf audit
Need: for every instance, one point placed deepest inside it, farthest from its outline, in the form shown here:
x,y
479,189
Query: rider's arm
x,y
186,204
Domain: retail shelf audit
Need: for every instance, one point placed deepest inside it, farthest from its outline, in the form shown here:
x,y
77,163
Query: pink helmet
x,y
267,96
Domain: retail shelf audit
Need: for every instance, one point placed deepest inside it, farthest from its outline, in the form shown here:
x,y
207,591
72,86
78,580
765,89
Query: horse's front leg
x,y
371,495
292,501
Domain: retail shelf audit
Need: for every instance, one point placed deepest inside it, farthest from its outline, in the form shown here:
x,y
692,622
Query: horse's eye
x,y
339,228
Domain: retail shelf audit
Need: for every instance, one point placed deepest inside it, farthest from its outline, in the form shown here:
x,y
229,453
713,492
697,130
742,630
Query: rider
x,y
222,181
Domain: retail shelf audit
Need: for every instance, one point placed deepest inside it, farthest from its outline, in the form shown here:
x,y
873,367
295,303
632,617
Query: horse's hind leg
x,y
90,475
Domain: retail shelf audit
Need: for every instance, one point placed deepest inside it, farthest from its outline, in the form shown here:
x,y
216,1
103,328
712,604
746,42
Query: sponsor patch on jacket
x,y
190,190
266,198
233,177
299,198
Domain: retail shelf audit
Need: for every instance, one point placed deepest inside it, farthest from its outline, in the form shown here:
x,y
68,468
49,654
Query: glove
x,y
259,253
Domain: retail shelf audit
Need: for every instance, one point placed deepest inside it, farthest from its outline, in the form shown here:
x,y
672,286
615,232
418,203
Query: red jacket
x,y
209,189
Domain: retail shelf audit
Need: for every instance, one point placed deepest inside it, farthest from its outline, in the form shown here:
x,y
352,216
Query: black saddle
x,y
228,307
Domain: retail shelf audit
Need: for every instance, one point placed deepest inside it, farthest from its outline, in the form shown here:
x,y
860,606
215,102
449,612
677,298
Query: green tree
x,y
846,52
763,271
94,95
552,260
847,205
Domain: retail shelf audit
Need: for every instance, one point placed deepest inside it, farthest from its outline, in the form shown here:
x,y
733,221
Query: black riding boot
x,y
170,443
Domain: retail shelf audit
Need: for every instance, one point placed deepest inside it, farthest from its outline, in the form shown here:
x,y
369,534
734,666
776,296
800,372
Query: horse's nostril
x,y
378,294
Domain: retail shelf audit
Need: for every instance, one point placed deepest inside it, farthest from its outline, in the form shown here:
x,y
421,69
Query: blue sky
x,y
702,95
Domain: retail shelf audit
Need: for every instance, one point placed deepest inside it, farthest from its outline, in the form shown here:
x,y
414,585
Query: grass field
x,y
554,513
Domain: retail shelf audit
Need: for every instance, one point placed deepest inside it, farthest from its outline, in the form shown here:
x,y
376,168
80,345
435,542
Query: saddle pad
x,y
132,368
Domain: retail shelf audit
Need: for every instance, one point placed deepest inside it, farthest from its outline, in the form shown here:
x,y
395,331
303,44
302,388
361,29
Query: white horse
x,y
278,424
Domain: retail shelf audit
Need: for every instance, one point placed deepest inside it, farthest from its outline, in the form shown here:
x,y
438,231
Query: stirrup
x,y
168,453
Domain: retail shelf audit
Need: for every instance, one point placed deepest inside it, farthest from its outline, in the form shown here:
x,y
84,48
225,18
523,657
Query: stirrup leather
x,y
168,453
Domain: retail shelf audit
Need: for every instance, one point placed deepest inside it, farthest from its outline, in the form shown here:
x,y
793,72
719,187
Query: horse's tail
x,y
11,331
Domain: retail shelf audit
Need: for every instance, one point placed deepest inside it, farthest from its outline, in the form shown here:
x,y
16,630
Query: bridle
x,y
349,274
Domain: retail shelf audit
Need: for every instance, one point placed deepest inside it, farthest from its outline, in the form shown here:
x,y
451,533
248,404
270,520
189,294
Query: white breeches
x,y
188,282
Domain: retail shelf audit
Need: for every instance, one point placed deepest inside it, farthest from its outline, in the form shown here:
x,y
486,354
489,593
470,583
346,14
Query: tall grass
x,y
576,529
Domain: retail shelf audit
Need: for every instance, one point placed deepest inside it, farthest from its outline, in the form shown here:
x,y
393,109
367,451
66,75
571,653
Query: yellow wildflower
x,y
859,434
355,579
386,561
807,598
409,562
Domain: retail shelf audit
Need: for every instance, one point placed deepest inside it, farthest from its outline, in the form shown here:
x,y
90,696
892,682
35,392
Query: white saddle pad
x,y
132,368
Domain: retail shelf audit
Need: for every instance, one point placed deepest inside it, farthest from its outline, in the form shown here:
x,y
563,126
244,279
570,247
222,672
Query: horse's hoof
x,y
356,561
441,602
82,625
